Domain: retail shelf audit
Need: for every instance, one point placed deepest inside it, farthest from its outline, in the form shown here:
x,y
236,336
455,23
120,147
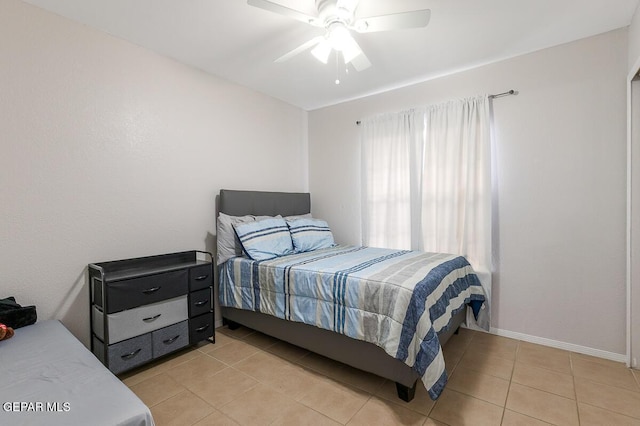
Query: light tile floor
x,y
249,378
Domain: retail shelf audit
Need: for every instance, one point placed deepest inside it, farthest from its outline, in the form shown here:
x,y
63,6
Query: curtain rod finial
x,y
499,95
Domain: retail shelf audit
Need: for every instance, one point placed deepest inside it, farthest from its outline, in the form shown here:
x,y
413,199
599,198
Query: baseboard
x,y
612,356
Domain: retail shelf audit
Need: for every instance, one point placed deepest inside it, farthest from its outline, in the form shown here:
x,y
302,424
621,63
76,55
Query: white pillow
x,y
228,244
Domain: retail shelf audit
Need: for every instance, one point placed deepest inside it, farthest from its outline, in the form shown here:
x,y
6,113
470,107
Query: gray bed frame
x,y
359,354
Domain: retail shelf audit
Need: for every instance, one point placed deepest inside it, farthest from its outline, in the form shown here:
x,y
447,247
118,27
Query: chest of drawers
x,y
147,307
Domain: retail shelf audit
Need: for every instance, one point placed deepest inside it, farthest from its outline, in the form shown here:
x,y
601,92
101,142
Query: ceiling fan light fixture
x,y
322,51
350,50
339,36
348,57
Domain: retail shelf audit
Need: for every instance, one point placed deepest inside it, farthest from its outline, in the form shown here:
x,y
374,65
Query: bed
x,y
49,378
314,299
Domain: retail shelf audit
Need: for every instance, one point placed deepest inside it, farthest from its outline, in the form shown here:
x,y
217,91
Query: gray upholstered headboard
x,y
259,203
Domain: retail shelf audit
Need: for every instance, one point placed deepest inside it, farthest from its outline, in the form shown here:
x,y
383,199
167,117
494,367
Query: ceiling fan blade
x,y
350,48
360,62
358,59
353,54
322,51
283,10
304,46
350,5
395,21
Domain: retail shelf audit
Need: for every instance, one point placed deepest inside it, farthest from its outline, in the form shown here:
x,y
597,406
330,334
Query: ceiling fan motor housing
x,y
332,11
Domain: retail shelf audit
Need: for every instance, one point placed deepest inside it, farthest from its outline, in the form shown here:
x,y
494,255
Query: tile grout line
x,y
206,402
611,411
515,360
169,397
636,376
165,400
575,392
258,382
359,409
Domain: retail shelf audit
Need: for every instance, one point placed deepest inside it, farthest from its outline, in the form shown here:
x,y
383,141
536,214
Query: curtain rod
x,y
497,95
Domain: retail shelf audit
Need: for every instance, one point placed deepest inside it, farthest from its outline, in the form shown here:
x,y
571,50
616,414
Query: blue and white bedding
x,y
395,299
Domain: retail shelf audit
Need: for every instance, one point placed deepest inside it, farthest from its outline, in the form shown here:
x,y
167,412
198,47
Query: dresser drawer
x,y
134,322
170,338
131,293
130,353
200,277
199,302
200,327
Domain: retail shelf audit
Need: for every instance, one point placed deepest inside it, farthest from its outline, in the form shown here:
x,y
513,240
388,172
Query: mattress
x,y
47,377
396,299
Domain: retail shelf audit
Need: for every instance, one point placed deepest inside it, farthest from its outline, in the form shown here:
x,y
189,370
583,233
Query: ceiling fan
x,y
338,18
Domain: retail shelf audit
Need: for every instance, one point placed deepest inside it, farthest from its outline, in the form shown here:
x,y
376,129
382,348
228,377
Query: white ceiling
x,y
238,42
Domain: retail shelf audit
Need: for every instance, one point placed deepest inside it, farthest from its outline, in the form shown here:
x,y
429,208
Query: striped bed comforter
x,y
395,299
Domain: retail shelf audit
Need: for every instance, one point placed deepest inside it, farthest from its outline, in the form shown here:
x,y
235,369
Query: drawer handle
x,y
131,354
150,319
201,329
202,277
170,341
151,290
201,303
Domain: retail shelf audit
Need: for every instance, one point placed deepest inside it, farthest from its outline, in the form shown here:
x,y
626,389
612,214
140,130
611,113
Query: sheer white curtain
x,y
390,163
427,183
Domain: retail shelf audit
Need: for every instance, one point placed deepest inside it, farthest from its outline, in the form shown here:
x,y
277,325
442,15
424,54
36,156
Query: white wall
x,y
110,151
560,239
634,41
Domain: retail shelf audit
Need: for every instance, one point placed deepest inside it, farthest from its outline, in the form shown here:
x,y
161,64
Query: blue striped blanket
x,y
395,299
